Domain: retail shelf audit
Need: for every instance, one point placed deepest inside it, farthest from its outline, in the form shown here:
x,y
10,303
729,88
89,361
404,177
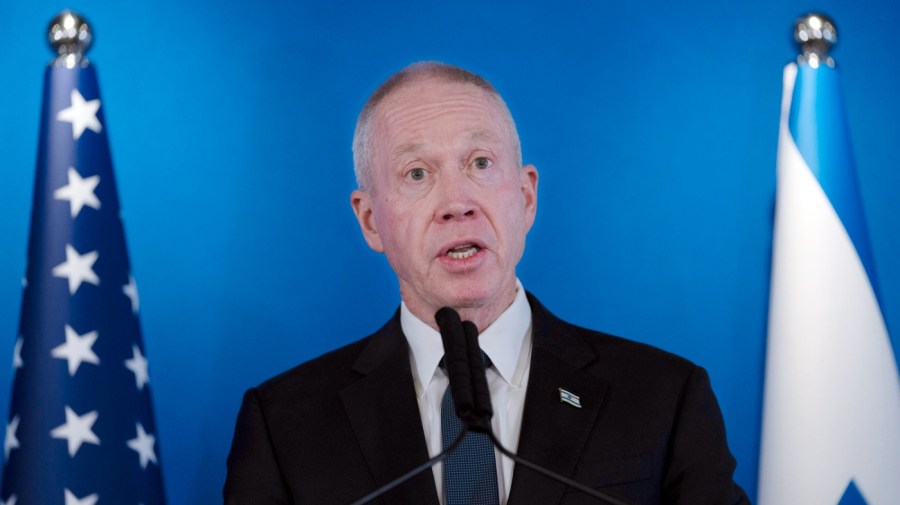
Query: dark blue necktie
x,y
470,472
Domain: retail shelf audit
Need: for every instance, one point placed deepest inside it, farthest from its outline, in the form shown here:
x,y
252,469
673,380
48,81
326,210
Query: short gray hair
x,y
362,137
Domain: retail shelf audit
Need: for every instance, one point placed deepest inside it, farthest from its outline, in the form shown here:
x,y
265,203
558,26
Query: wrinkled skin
x,y
448,204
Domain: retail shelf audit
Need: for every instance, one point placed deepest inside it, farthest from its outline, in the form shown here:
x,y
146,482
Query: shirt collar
x,y
501,341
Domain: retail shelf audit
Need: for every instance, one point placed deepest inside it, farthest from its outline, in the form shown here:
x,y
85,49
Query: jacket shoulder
x,y
332,371
630,354
604,352
317,372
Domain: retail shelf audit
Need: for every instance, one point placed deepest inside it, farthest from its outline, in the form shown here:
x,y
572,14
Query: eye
x,y
416,174
482,163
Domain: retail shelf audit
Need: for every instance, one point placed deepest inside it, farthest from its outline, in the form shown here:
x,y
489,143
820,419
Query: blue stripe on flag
x,y
852,496
818,124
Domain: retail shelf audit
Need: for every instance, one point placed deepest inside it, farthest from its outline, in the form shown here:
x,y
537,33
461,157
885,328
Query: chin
x,y
471,296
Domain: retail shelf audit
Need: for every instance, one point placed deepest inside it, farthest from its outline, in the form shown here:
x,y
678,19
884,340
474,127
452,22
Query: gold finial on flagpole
x,y
70,36
815,34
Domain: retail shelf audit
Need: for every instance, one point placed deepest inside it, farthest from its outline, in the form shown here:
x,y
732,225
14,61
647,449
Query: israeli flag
x,y
831,414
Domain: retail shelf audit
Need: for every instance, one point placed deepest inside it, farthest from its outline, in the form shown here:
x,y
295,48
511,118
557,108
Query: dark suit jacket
x,y
334,429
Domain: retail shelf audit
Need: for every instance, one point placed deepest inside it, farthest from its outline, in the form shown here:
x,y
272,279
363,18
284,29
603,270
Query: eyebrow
x,y
483,135
407,148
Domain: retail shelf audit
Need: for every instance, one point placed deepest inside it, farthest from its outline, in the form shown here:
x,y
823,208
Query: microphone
x,y
482,409
457,363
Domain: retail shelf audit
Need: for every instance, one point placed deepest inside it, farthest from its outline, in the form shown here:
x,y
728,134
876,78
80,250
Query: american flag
x,y
80,429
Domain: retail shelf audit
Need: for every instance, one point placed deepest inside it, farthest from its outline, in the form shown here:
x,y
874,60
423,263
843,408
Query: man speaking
x,y
443,193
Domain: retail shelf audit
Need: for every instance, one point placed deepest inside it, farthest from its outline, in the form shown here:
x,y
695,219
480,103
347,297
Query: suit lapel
x,y
554,432
384,415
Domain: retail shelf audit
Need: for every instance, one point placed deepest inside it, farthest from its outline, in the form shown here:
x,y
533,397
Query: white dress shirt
x,y
508,344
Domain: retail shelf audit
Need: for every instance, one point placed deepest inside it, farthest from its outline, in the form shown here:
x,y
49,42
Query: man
x,y
443,193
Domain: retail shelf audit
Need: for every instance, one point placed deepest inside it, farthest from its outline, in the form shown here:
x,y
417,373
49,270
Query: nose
x,y
457,198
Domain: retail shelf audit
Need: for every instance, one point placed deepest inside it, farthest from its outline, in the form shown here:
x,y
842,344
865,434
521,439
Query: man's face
x,y
448,203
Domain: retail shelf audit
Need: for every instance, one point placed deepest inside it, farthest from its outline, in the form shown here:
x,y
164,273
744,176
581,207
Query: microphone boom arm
x,y
415,471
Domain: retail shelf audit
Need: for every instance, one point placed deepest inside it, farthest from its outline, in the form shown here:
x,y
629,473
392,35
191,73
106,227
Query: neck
x,y
483,315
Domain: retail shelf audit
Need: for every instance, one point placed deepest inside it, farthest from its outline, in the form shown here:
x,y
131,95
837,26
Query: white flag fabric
x,y
831,413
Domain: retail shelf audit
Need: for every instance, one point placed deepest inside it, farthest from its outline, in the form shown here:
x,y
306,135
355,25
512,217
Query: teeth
x,y
460,254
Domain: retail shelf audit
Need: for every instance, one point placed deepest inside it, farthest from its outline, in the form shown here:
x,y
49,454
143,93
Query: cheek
x,y
512,203
405,248
516,220
398,229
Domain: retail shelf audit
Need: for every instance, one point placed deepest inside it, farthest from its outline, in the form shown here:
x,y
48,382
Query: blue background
x,y
653,126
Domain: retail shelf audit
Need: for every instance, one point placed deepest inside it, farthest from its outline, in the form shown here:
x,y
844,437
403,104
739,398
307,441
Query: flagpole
x,y
70,36
815,35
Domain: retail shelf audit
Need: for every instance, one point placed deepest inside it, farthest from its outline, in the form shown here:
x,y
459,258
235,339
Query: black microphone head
x,y
481,395
456,360
446,316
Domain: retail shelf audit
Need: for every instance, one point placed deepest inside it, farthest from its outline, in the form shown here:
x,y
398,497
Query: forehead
x,y
440,109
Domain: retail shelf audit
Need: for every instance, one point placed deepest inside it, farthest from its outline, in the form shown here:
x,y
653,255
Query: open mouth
x,y
463,251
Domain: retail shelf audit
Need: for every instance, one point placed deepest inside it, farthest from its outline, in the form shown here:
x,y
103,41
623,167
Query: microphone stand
x,y
553,475
417,470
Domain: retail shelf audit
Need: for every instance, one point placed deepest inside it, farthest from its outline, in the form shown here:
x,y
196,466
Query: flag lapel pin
x,y
567,397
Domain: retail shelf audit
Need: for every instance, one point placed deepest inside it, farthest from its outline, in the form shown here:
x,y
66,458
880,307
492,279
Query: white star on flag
x,y
143,444
17,354
131,292
82,114
79,192
71,499
138,365
77,349
77,268
77,430
9,501
11,442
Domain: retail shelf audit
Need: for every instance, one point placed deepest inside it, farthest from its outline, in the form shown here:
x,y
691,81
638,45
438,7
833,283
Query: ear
x,y
528,176
361,201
